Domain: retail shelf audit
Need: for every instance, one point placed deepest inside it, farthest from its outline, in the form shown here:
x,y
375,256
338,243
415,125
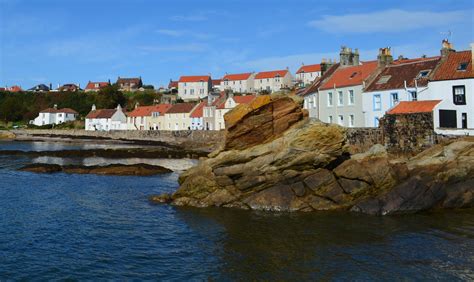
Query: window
x,y
185,92
351,97
191,91
201,91
340,100
462,66
351,120
330,99
423,73
377,102
376,122
353,74
393,99
314,101
413,95
330,119
447,119
340,120
459,95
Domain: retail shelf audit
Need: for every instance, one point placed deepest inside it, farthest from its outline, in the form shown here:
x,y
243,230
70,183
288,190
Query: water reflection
x,y
264,246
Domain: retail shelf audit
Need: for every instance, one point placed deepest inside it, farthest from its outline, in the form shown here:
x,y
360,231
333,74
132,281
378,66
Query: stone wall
x,y
192,139
408,133
361,139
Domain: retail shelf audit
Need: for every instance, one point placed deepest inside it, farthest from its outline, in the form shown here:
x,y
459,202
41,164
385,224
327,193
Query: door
x,y
464,120
447,119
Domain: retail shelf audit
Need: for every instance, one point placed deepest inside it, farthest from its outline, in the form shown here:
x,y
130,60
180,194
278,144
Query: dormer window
x,y
384,79
353,74
96,85
462,66
423,74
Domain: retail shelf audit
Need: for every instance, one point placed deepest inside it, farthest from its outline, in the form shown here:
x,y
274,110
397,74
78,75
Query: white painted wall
x,y
274,84
118,121
53,118
307,77
193,90
240,86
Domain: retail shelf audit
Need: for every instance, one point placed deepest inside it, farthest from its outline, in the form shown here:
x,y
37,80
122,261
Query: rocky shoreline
x,y
275,159
112,169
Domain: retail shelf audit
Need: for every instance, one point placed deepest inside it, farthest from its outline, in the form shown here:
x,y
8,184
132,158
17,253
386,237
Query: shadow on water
x,y
339,245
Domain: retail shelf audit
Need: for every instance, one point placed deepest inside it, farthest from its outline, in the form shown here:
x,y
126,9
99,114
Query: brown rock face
x,y
7,135
277,160
260,122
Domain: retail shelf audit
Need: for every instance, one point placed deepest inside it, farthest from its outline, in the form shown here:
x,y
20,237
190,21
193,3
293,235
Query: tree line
x,y
25,106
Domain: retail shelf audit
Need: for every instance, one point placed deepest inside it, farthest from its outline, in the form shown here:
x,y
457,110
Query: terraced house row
x,y
355,93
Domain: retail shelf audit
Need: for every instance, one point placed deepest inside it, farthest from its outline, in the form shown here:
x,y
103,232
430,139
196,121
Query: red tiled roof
x,y
91,85
449,67
237,76
411,107
309,68
351,75
124,80
271,74
145,111
15,88
195,78
181,108
64,110
198,111
397,75
216,81
103,113
244,99
173,84
320,80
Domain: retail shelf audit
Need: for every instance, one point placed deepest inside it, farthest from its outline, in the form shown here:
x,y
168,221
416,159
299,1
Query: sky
x,y
72,41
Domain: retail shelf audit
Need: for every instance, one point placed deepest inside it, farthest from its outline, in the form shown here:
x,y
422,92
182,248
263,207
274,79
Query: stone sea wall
x,y
189,138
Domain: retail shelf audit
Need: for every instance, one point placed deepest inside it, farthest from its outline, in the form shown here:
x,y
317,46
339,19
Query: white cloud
x,y
388,21
171,32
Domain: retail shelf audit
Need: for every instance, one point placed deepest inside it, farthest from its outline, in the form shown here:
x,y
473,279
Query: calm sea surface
x,y
65,226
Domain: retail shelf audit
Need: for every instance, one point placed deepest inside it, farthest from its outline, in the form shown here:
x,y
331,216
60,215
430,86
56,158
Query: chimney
x,y
325,65
50,86
93,107
119,108
347,57
137,105
55,106
385,57
446,48
401,58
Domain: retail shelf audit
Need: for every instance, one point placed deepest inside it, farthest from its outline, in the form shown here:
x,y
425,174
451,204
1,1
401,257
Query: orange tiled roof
x,y
271,74
63,110
411,107
351,75
449,67
237,76
145,111
194,78
103,113
309,68
173,84
91,85
198,111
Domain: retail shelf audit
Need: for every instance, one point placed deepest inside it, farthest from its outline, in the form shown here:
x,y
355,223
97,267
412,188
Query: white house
x,y
306,74
55,116
453,84
404,80
272,81
106,119
194,87
239,83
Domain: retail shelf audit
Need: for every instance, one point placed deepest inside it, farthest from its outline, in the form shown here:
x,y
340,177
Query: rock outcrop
x,y
112,169
276,159
6,135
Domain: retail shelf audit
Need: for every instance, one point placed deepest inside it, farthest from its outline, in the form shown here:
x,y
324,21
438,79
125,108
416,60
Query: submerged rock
x,y
276,159
112,169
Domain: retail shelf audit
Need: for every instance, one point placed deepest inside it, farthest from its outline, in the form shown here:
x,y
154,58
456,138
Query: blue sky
x,y
63,41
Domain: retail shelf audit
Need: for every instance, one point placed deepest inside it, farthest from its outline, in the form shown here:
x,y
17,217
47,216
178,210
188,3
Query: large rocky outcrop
x,y
276,159
7,135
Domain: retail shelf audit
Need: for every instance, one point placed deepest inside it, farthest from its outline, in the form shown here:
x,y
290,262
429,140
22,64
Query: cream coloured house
x,y
214,113
272,81
147,117
239,83
178,117
191,88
